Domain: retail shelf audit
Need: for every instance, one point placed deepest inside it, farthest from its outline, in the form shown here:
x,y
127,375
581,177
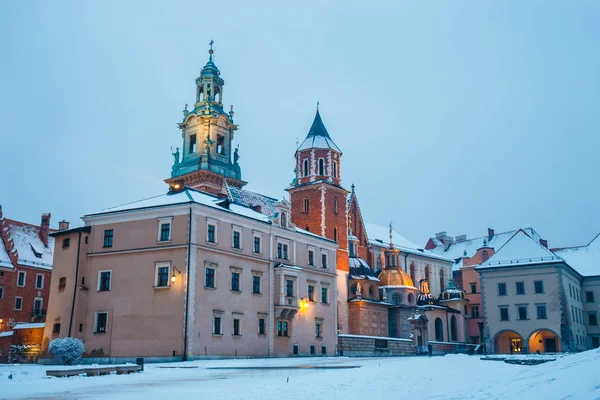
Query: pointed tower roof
x,y
317,137
210,68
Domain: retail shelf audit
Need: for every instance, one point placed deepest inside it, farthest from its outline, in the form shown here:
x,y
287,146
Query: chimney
x,y
460,238
448,240
544,243
9,244
44,228
440,235
256,208
63,225
490,233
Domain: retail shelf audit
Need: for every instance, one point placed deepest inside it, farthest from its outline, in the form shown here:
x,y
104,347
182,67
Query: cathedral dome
x,y
360,269
210,69
394,277
452,292
424,297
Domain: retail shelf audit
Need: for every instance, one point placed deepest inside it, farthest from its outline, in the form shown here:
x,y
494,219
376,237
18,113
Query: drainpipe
x,y
75,284
405,263
187,291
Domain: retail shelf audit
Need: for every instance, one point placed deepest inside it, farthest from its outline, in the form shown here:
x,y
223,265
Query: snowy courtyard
x,y
448,377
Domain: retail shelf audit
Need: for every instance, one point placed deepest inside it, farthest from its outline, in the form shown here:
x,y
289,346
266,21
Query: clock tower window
x,y
192,144
321,167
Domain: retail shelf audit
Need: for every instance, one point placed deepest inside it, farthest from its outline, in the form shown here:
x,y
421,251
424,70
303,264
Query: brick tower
x,y
317,197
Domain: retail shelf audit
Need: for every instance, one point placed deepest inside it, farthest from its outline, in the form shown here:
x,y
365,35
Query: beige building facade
x,y
189,275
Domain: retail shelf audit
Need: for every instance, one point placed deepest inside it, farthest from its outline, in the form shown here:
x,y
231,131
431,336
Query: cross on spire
x,y
317,105
211,51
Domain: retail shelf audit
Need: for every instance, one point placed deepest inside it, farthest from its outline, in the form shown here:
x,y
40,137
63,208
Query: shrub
x,y
67,351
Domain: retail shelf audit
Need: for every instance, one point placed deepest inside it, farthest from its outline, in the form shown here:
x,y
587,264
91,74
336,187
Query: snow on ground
x,y
449,377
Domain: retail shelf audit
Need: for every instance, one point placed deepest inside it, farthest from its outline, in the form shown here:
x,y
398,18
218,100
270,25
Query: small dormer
x,y
282,217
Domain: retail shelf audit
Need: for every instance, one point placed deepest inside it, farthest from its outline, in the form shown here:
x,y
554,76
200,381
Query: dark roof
x,y
359,269
86,229
250,199
318,137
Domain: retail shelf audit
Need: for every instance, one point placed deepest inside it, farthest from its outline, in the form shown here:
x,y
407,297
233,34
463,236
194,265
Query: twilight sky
x,y
452,116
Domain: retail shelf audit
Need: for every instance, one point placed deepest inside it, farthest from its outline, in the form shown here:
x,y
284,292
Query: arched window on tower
x,y
427,272
305,167
321,166
306,204
453,329
335,238
335,205
439,330
442,286
221,145
335,174
412,273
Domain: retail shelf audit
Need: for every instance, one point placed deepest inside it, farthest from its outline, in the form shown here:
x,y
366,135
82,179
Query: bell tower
x,y
208,157
316,194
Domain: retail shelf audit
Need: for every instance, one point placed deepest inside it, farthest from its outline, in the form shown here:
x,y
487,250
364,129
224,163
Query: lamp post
x,y
174,277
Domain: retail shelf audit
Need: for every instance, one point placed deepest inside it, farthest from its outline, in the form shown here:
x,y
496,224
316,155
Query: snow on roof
x,y
457,249
21,325
4,259
5,334
186,196
29,245
521,249
584,259
251,199
380,236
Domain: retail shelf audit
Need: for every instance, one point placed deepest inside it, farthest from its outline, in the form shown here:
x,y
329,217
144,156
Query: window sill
x,y
218,334
212,243
210,287
282,337
236,336
162,287
256,294
324,304
103,290
106,247
236,291
99,333
257,253
237,249
163,241
262,334
319,337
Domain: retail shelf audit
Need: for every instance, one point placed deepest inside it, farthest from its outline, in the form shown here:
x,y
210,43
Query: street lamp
x,y
174,277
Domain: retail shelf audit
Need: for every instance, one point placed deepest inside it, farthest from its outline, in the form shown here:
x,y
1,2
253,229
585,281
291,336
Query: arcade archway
x,y
508,342
544,341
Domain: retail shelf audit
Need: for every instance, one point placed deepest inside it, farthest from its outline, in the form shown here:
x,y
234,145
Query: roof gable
x,y
521,249
584,259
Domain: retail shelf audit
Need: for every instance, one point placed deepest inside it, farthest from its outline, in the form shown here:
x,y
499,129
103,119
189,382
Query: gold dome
x,y
394,277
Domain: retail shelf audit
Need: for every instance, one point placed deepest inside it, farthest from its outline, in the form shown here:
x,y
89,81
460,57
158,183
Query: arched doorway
x,y
453,330
508,342
544,341
439,330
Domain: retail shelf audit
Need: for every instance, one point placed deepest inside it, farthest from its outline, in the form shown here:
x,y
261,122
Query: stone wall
x,y
369,346
440,348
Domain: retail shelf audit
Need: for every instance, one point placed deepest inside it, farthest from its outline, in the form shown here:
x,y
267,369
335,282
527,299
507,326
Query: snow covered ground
x,y
449,377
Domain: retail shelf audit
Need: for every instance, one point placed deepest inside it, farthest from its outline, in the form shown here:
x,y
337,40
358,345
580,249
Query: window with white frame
x,y
335,169
164,229
311,256
256,278
305,167
236,274
324,295
262,318
257,243
282,251
101,322
218,322
18,303
321,166
237,324
209,278
324,260
21,278
39,281
37,306
211,230
161,274
319,328
104,283
1,292
236,238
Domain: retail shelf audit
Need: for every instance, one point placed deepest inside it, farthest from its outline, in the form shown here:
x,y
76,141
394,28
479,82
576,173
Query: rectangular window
x,y
56,329
502,289
257,245
321,166
473,287
318,329
39,281
592,318
62,282
324,350
18,303
520,287
236,327
311,257
570,290
37,307
261,326
541,311
538,286
577,294
217,325
285,252
165,232
235,281
282,328
335,169
256,284
522,312
589,297
289,288
66,242
108,237
312,349
209,282
210,234
503,313
324,295
80,327
311,293
162,275
104,281
475,311
324,260
101,322
1,292
236,240
192,148
282,251
21,278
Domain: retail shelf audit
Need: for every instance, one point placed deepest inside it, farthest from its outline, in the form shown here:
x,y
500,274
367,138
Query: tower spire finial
x,y
317,105
391,242
211,51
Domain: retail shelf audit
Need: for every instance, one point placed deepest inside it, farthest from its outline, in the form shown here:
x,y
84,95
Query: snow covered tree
x,y
67,351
